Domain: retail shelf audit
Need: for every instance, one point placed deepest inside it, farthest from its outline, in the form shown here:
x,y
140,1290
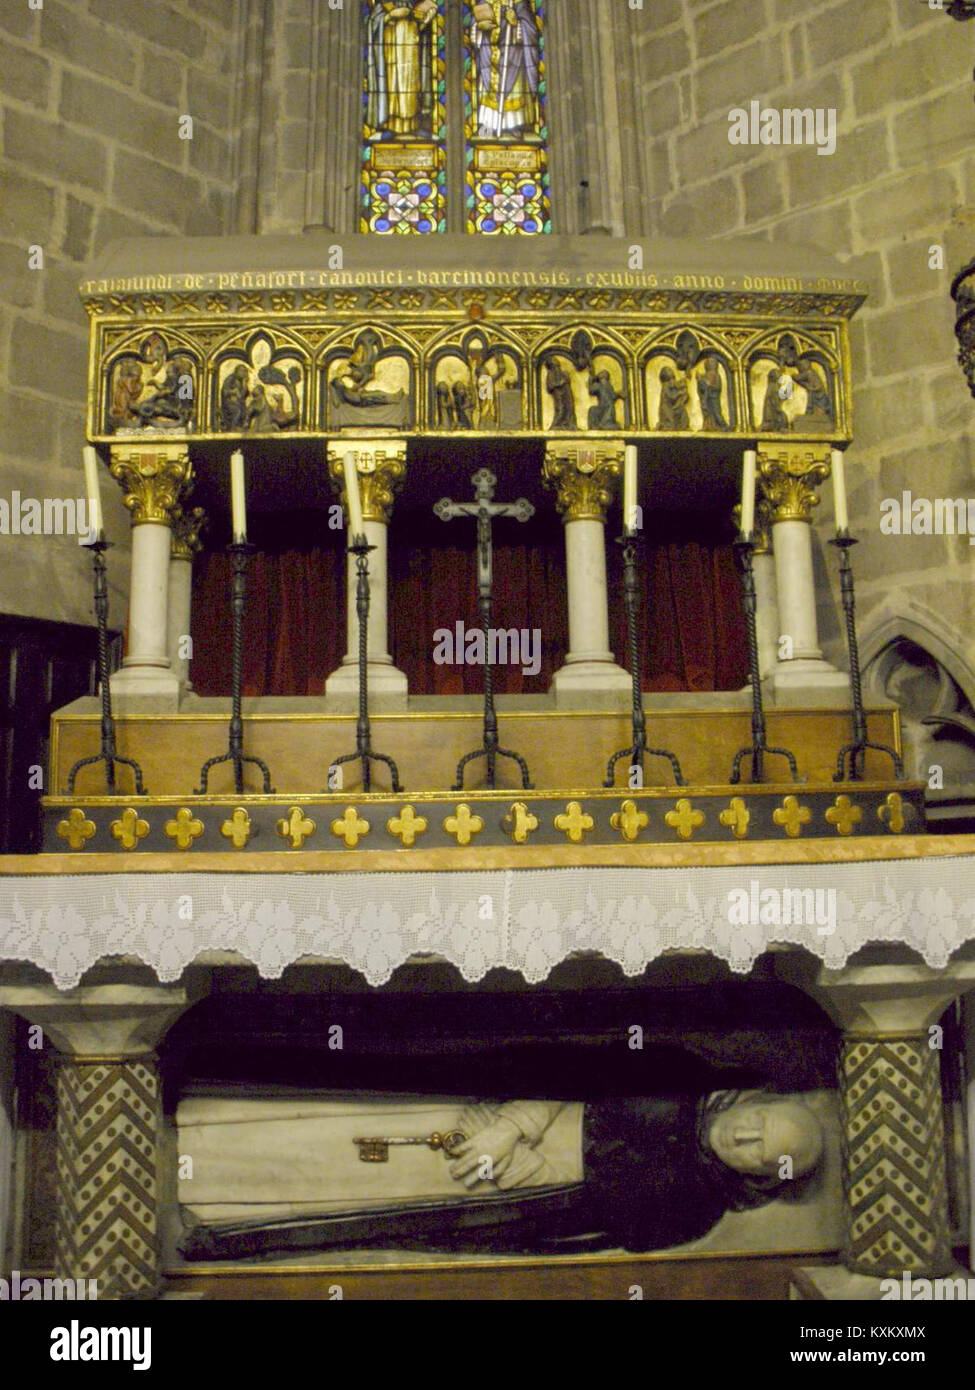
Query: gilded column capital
x,y
583,472
789,475
187,525
381,465
152,478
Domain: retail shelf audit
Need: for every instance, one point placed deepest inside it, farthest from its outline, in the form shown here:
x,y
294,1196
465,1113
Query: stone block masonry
x,y
899,77
91,96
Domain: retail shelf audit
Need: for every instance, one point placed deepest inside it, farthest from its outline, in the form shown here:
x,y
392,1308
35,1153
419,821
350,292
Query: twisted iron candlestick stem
x,y
844,542
360,548
108,755
744,549
491,748
638,750
240,553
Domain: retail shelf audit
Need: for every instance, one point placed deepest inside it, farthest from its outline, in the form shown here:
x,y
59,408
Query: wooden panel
x,y
564,750
42,665
740,1279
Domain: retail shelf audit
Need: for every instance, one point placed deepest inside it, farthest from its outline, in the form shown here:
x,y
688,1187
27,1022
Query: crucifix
x,y
485,509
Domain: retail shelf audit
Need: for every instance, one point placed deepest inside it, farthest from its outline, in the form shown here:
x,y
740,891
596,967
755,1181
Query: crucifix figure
x,y
485,509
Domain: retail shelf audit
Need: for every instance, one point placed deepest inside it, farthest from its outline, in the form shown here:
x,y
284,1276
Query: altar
x,y
645,830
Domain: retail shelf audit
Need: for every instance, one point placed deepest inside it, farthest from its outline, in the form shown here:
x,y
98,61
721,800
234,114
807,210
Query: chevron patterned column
x,y
893,1157
895,1165
107,1120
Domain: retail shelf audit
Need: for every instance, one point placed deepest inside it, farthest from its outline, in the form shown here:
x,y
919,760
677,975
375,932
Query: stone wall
x,y
899,76
92,92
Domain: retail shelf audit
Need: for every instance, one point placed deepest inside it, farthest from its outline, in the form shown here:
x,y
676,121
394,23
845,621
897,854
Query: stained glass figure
x,y
403,178
505,132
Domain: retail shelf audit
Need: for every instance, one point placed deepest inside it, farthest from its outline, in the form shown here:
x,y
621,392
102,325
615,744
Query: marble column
x,y
788,476
153,479
582,472
108,1125
895,1177
381,465
185,543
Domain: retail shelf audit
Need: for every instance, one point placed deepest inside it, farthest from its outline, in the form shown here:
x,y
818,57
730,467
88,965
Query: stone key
x,y
377,1150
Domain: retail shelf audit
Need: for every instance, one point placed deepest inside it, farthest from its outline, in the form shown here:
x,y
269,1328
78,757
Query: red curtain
x,y
691,628
692,632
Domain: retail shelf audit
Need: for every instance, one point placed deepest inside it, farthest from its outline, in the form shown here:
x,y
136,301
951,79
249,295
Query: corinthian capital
x,y
582,472
152,478
381,466
789,475
187,525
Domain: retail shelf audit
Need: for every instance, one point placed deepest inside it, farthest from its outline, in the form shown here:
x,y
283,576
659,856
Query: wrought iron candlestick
x,y
108,755
360,548
240,552
757,750
484,509
855,750
638,749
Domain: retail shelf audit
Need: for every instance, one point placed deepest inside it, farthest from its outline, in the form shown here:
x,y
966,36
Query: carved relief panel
x,y
689,383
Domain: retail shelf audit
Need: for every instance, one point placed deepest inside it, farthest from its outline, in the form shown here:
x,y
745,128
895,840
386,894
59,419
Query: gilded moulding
x,y
130,828
381,466
76,828
735,817
296,827
789,475
519,822
407,826
574,822
153,478
844,815
462,825
184,828
237,829
894,813
350,827
629,820
684,818
583,473
792,816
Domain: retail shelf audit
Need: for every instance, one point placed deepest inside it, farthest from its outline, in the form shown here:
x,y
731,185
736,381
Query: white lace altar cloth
x,y
526,919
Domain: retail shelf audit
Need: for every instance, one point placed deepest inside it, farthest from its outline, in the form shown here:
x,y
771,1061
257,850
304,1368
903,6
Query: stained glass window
x,y
404,120
495,50
505,130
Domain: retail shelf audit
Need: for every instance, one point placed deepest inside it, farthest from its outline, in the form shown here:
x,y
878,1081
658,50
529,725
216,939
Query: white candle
x,y
629,489
839,492
354,501
748,492
96,528
238,499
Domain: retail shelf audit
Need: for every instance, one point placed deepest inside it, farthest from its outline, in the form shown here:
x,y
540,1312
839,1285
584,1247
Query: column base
x,y
836,1284
145,689
589,684
388,688
809,679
